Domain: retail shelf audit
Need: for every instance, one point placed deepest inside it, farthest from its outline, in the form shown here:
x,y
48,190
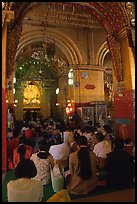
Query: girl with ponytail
x,y
82,166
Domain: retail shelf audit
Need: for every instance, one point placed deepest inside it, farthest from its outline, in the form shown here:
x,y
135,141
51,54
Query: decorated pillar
x,y
121,48
7,15
62,97
45,102
19,105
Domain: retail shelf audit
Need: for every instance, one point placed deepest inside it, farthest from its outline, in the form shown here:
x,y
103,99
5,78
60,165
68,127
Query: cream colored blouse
x,y
25,190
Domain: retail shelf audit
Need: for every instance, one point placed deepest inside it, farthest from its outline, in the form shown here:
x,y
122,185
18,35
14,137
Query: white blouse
x,y
59,151
101,149
25,190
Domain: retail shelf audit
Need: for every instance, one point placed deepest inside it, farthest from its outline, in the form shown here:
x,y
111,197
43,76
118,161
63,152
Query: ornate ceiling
x,y
110,16
113,13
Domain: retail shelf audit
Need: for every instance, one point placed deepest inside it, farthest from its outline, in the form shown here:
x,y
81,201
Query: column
x,y
124,94
6,17
19,105
45,103
63,95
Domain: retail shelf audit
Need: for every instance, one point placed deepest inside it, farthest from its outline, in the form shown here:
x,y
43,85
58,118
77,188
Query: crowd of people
x,y
33,149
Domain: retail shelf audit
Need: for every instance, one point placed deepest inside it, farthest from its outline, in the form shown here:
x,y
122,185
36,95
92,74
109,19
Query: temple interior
x,y
63,57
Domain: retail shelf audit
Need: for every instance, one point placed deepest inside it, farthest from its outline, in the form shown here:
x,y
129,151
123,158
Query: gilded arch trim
x,y
114,47
103,50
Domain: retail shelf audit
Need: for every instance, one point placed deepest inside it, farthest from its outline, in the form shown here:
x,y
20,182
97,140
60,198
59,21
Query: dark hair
x,y
9,129
99,136
127,140
15,133
107,128
76,136
22,151
44,149
58,138
87,129
94,129
85,171
22,140
45,135
25,169
119,143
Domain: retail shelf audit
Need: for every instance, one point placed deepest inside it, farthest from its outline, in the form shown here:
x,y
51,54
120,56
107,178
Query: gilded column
x,y
7,15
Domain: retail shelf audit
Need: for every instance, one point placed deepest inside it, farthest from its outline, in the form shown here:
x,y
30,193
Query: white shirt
x,y
59,151
25,190
102,148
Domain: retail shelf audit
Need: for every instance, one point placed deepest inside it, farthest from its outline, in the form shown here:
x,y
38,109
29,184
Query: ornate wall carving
x,y
114,47
13,40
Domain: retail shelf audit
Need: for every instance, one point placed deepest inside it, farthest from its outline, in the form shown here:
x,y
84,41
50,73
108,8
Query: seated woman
x,y
11,145
42,161
101,149
60,151
82,166
25,188
23,151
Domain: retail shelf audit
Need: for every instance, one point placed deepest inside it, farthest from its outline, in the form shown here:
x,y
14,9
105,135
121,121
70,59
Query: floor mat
x,y
48,191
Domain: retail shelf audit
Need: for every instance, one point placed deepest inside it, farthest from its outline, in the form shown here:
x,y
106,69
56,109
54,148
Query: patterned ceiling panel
x,y
110,14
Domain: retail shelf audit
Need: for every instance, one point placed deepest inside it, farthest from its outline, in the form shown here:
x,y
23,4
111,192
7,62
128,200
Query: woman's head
x,y
87,129
118,143
99,136
85,171
43,149
43,145
22,151
25,169
46,136
82,140
107,129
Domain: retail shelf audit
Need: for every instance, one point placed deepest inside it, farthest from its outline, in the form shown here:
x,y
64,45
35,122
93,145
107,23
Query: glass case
x,y
97,112
86,113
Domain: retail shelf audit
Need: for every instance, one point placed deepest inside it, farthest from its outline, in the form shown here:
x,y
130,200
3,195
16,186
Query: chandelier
x,y
50,58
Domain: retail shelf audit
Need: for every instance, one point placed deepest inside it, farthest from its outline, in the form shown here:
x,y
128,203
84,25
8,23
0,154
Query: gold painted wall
x,y
95,78
126,63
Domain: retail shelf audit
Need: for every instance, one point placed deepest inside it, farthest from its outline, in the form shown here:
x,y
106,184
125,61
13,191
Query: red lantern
x,y
70,107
